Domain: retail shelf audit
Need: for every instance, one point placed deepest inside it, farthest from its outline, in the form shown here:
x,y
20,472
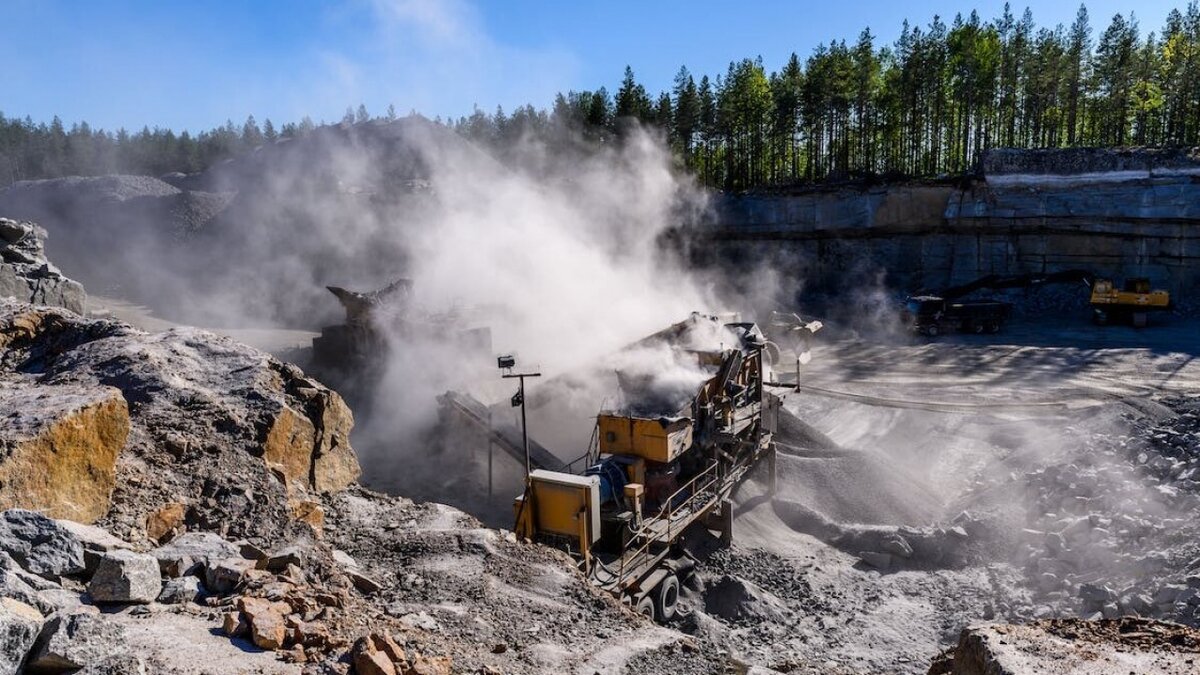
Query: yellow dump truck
x,y
1132,303
650,479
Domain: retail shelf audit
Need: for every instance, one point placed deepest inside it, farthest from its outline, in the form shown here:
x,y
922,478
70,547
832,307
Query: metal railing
x,y
697,489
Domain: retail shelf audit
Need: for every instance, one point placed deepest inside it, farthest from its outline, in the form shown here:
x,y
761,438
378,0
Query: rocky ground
x,y
1046,473
176,501
222,484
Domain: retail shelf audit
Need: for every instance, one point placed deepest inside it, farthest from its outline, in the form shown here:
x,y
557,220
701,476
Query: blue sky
x,y
181,64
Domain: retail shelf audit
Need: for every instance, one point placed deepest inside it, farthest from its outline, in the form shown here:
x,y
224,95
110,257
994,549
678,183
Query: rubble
x,y
1110,647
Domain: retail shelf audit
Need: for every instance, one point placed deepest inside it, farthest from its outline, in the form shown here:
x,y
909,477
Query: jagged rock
x,y
77,641
20,625
62,443
279,560
234,624
896,545
164,523
180,591
243,420
96,542
268,627
370,660
430,665
26,275
880,561
125,576
39,544
224,576
185,552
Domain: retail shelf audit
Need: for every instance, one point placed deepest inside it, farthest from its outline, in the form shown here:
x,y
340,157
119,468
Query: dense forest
x,y
924,106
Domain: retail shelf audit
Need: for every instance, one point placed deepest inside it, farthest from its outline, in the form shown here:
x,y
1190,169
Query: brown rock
x,y
368,660
365,584
335,466
289,445
310,513
61,445
430,665
268,628
384,643
166,522
234,624
309,633
312,448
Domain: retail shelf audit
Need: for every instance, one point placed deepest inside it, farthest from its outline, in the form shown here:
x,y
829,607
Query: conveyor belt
x,y
506,436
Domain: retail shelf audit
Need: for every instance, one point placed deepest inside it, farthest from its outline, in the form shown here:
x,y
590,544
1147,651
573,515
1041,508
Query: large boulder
x,y
77,641
20,625
61,446
235,438
39,544
126,577
26,275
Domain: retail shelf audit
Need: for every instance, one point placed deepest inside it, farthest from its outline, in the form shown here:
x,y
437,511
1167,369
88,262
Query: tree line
x,y
926,105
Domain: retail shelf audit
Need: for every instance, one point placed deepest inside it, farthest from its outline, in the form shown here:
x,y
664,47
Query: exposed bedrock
x,y
26,274
1118,214
188,426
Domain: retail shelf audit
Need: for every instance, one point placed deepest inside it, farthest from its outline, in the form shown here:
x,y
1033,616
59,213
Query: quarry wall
x,y
1116,214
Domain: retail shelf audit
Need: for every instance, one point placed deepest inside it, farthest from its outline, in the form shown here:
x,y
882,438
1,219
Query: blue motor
x,y
612,479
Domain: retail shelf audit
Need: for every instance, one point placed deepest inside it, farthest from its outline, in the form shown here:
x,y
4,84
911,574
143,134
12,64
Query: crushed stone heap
x,y
26,274
154,432
1108,647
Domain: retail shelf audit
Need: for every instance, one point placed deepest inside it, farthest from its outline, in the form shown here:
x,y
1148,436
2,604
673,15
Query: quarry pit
x,y
929,495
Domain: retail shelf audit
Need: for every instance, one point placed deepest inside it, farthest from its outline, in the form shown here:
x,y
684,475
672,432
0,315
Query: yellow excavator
x,y
1132,303
654,475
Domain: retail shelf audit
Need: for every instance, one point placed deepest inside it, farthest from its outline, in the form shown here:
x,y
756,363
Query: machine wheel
x,y
931,331
645,607
993,327
666,598
1099,317
977,327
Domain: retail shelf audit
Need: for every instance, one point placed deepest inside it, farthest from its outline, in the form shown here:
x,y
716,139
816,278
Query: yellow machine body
x,y
1136,295
655,440
561,504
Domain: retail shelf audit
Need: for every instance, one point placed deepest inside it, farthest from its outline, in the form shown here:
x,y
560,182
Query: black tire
x,y
645,607
666,598
1100,317
993,327
977,327
932,330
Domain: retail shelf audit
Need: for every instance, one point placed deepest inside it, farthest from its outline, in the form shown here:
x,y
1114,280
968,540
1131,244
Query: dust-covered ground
x,y
1047,471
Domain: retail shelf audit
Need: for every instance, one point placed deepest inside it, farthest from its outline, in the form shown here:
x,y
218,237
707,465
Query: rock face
x,y
187,416
1118,214
26,275
60,447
